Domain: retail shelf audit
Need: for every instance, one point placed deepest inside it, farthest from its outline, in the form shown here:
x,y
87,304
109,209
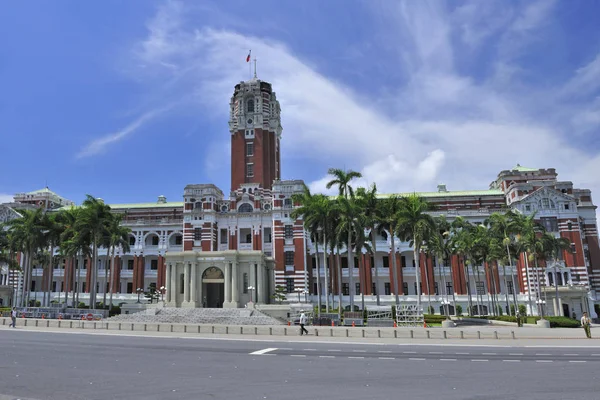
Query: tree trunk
x,y
350,267
428,287
318,278
105,287
374,242
66,283
417,249
79,267
528,282
393,276
469,287
93,279
339,270
111,284
326,274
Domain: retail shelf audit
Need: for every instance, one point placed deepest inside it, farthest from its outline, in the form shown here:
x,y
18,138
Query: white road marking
x,y
511,360
297,355
387,358
488,354
356,357
359,351
447,359
515,354
542,354
571,354
479,360
264,351
577,361
462,353
543,361
435,352
409,352
417,359
310,349
326,356
383,351
334,350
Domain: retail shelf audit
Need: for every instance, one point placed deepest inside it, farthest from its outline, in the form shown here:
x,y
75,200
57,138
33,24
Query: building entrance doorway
x,y
566,312
213,288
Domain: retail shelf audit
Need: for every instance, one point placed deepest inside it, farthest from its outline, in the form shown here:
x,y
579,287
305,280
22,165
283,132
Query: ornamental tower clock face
x,y
255,128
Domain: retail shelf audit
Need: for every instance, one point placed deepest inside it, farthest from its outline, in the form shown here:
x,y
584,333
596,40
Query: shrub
x,y
563,322
116,310
459,310
522,309
500,311
433,318
431,310
512,309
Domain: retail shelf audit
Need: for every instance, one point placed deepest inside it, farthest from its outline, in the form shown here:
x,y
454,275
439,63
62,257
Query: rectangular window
x,y
154,265
437,288
289,231
249,149
287,203
420,288
527,207
245,280
509,286
355,262
181,283
550,223
33,286
449,288
344,262
155,240
387,289
289,284
129,287
267,235
250,170
197,233
345,289
403,261
224,236
386,261
85,263
131,240
405,288
374,289
289,258
84,287
129,266
107,287
178,240
480,287
54,286
357,288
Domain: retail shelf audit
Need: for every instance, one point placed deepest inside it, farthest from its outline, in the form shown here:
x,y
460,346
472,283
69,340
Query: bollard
x,y
132,327
199,329
478,334
428,335
412,334
59,321
242,330
363,332
70,324
171,327
213,329
185,329
227,330
495,334
445,335
316,332
347,333
256,330
145,327
36,323
395,334
513,334
284,331
378,333
331,332
270,331
462,335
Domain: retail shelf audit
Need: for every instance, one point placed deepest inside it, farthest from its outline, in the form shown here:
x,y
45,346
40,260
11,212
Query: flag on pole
x,y
248,58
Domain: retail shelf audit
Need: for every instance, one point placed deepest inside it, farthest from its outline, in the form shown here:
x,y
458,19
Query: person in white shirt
x,y
586,324
302,322
13,317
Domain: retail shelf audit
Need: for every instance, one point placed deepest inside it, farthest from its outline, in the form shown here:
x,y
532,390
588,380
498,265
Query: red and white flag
x,y
248,58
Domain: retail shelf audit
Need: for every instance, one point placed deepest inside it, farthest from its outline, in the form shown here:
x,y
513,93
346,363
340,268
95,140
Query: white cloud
x,y
6,198
98,146
440,126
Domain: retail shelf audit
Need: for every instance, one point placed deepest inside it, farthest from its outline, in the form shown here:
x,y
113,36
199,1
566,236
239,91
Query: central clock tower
x,y
255,127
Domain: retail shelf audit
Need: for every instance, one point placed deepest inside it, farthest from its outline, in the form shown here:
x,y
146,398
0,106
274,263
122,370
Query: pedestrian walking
x,y
13,317
586,324
303,321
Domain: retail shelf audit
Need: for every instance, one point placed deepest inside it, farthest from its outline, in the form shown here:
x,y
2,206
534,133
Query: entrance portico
x,y
218,279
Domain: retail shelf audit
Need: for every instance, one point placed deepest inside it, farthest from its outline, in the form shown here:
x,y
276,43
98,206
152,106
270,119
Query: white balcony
x,y
245,246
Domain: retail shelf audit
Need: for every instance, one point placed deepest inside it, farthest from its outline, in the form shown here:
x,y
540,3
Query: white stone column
x,y
260,283
235,289
227,283
252,281
186,282
193,284
173,289
169,285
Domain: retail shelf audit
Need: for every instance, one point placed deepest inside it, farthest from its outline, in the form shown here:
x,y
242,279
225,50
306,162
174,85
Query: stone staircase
x,y
219,316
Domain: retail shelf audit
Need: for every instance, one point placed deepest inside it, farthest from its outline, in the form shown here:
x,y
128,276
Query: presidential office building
x,y
213,250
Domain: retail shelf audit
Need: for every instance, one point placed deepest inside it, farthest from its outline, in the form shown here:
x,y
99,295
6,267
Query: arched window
x,y
550,279
250,105
566,278
559,280
245,208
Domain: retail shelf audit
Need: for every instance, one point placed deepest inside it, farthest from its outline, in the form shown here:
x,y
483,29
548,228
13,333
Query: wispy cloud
x,y
442,124
100,145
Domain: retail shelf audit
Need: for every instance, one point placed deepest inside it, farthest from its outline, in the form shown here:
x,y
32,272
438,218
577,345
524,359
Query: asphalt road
x,y
35,365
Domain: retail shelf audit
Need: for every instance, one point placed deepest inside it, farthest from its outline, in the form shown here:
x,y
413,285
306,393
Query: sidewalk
x,y
474,336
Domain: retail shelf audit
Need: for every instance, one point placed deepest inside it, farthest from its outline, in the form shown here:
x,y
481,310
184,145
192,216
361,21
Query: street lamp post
x,y
162,293
298,290
305,295
139,292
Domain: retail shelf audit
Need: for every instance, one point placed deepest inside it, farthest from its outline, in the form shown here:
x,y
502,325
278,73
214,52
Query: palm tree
x,y
94,224
26,236
342,180
371,207
553,249
441,246
335,243
531,240
462,244
52,232
118,237
415,225
388,221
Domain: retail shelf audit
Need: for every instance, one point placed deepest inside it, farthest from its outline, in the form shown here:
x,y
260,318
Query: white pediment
x,y
546,199
7,214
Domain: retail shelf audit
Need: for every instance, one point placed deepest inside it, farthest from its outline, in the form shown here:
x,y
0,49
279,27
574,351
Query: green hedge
x,y
434,318
555,322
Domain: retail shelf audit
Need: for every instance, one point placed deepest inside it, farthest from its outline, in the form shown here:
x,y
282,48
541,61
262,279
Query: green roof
x,y
457,193
523,169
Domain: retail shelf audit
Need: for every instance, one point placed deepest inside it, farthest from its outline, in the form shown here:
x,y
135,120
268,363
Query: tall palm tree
x,y
388,221
26,236
415,225
94,224
52,231
371,207
441,246
335,243
118,237
342,180
531,239
500,225
552,250
462,244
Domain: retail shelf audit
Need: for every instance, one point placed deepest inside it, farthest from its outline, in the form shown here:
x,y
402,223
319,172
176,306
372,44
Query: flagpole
x,y
255,67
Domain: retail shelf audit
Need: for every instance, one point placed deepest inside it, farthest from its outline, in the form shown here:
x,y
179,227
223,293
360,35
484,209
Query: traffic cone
x,y
43,316
289,323
353,324
424,324
395,324
332,323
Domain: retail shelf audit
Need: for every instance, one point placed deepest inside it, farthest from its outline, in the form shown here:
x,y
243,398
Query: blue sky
x,y
129,100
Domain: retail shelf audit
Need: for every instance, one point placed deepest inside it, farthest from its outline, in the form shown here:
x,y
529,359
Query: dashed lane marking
x,y
447,359
511,360
543,361
479,360
417,359
326,356
264,351
515,354
357,358
297,355
574,361
387,358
